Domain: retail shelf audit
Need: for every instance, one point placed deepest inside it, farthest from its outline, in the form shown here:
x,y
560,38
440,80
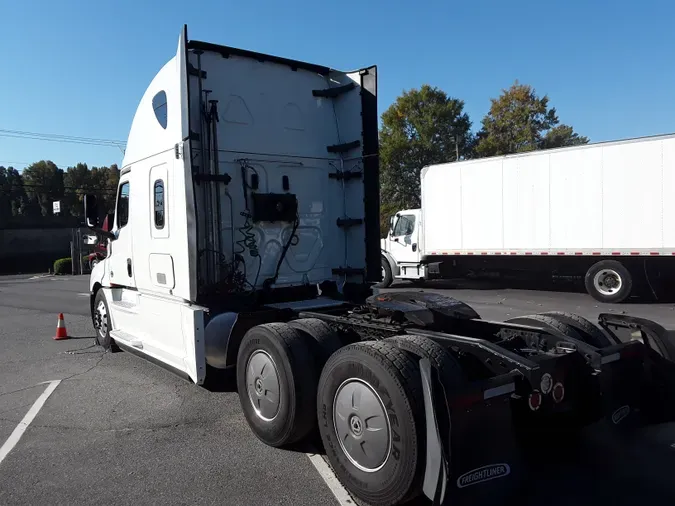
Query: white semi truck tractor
x,y
246,237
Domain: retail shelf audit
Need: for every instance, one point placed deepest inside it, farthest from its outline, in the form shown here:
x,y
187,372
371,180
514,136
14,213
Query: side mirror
x,y
91,218
91,211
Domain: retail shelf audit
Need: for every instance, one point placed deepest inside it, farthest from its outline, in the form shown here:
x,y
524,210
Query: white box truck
x,y
246,236
601,211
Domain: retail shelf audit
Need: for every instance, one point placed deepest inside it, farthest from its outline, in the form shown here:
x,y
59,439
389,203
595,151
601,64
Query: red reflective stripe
x,y
654,253
634,252
544,252
561,253
616,252
528,252
579,253
483,252
595,253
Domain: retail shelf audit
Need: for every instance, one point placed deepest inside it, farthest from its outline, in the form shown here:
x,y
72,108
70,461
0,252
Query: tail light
x,y
558,392
534,400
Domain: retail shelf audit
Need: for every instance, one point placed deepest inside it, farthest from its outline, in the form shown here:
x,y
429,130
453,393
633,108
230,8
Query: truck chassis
x,y
413,393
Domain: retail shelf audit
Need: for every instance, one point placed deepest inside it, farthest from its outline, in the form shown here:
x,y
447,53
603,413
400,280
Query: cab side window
x,y
405,225
159,204
123,205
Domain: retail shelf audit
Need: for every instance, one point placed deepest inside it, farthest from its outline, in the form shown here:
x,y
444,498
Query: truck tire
x,y
590,334
387,276
608,281
449,370
386,384
322,339
102,324
276,382
546,322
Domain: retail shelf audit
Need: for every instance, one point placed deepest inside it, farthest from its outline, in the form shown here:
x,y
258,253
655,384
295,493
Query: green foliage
x,y
43,182
520,121
26,198
422,127
63,266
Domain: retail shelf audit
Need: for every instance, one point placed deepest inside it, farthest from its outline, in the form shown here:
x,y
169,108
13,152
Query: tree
x,y
43,182
11,193
77,183
520,121
422,127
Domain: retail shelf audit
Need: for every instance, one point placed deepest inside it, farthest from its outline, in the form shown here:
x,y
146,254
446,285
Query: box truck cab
x,y
402,248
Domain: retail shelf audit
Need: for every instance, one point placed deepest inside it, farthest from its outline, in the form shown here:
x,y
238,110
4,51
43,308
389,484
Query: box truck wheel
x,y
276,382
608,281
387,276
371,420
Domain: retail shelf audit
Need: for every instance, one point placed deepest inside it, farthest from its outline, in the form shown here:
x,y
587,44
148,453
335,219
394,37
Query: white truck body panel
x,y
269,116
599,199
167,219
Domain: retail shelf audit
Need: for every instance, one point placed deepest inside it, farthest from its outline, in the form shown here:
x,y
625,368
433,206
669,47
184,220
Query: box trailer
x,y
245,237
601,211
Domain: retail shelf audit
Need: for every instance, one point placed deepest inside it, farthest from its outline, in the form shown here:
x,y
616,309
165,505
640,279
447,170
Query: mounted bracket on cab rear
x,y
346,175
334,92
343,148
274,207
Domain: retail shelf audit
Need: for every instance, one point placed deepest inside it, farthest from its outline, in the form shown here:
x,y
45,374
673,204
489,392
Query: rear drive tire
x,y
546,322
608,281
373,385
387,276
449,370
322,339
276,382
590,334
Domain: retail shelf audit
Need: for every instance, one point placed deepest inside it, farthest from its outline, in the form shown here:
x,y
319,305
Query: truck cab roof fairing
x,y
156,125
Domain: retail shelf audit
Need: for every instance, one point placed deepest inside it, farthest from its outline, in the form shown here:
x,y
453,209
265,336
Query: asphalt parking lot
x,y
117,429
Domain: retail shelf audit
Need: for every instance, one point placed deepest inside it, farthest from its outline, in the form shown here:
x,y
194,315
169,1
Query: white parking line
x,y
340,493
14,437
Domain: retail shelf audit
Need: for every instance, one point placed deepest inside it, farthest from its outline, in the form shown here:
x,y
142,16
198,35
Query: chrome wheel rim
x,y
362,426
607,282
102,319
263,385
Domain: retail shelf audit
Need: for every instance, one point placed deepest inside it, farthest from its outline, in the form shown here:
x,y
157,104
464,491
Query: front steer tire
x,y
276,381
377,386
102,324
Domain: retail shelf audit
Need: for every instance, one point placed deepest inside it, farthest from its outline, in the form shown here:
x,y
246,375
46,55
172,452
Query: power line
x,y
21,134
7,164
111,191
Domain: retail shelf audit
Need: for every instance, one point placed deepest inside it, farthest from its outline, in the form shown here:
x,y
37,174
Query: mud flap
x,y
472,453
638,388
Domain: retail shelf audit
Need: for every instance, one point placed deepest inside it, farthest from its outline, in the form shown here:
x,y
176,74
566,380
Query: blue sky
x,y
79,68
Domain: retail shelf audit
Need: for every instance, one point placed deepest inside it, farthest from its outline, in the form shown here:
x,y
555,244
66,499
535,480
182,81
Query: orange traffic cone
x,y
61,332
